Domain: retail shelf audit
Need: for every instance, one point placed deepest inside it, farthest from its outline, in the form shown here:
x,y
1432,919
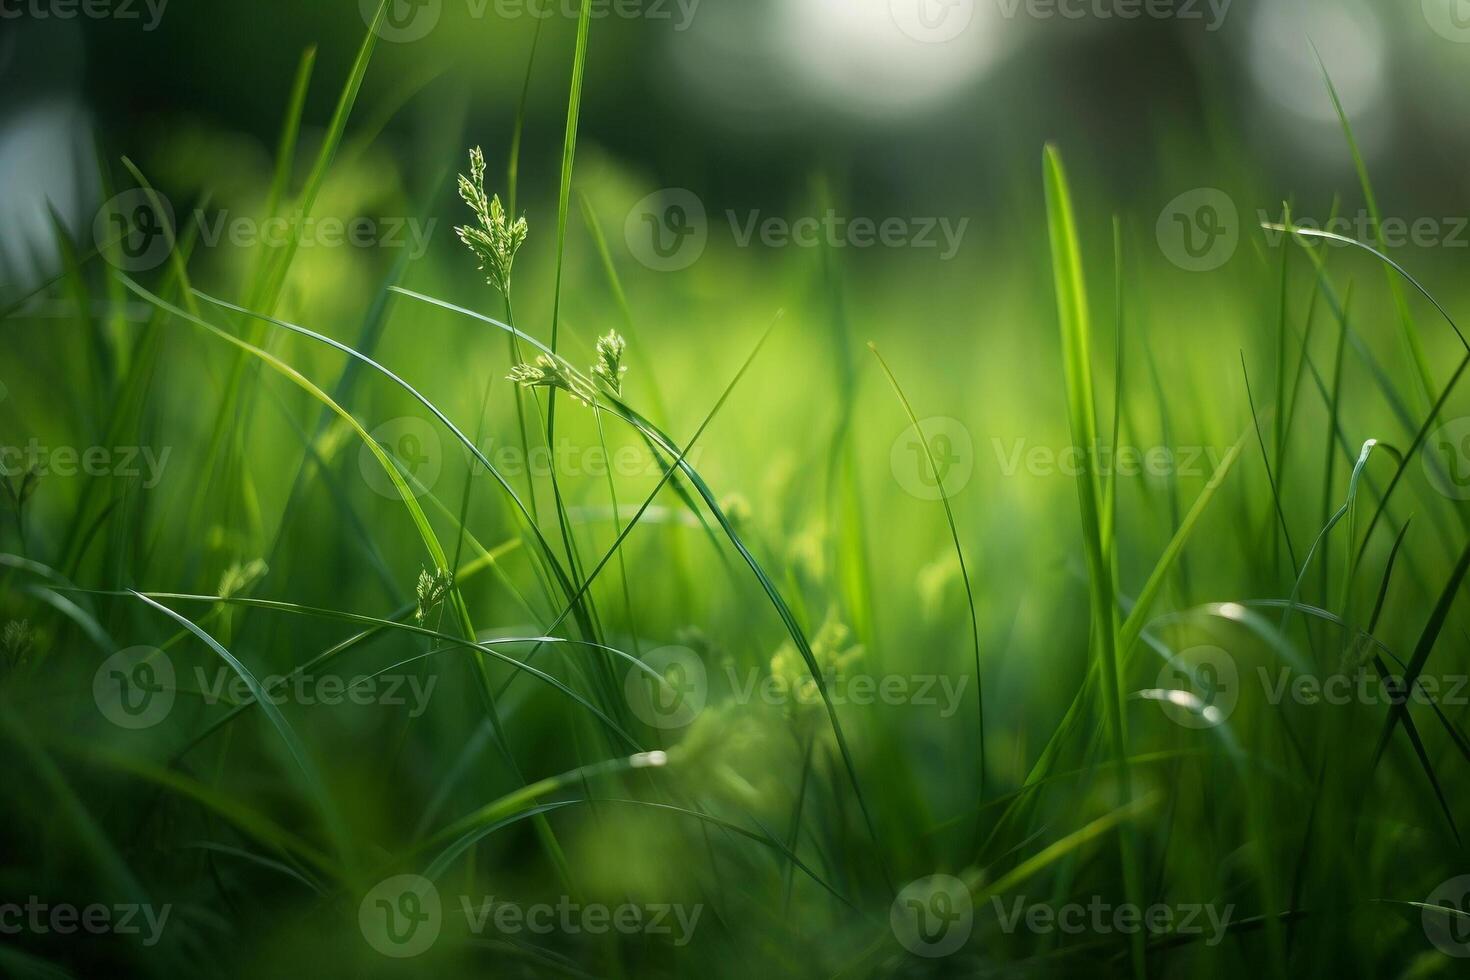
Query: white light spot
x,y
1349,37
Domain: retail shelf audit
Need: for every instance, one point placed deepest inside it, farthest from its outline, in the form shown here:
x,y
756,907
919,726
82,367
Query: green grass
x,y
767,539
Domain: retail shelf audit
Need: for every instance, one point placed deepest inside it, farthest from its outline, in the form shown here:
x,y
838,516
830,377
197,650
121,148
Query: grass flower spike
x,y
610,368
551,372
432,588
548,372
497,239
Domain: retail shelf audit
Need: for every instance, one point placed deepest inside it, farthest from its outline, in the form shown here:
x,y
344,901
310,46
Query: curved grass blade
x,y
436,553
486,647
1410,333
250,822
667,445
1071,296
273,715
546,549
1424,647
954,533
1343,511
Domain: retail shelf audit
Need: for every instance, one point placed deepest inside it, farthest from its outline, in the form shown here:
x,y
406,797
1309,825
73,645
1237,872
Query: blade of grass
x,y
954,533
1071,297
288,735
1409,333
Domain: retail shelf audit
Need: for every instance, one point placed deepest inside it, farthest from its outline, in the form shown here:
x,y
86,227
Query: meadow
x,y
480,558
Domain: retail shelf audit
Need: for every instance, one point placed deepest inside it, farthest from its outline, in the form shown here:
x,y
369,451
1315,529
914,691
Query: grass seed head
x,y
241,576
610,368
548,372
497,239
432,588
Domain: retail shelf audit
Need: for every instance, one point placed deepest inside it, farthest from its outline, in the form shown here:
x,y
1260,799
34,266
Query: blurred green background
x,y
1177,130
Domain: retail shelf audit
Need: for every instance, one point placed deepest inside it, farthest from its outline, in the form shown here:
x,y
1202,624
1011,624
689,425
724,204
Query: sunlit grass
x,y
1078,741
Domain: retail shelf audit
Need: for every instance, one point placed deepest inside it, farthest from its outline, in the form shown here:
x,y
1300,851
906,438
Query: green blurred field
x,y
1182,679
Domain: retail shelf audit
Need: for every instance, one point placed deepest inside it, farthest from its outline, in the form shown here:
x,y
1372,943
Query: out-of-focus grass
x,y
766,533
